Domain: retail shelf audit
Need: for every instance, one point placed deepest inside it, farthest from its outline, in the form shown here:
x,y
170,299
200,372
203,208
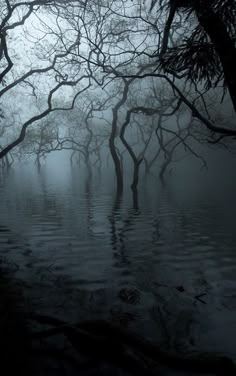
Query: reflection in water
x,y
69,224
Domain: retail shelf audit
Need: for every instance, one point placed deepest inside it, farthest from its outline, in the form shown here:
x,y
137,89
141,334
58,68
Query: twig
x,y
198,297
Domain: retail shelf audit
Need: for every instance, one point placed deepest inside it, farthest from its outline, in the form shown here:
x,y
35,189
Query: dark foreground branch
x,y
108,342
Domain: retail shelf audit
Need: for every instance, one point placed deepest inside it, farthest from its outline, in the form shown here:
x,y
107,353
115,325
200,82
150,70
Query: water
x,y
165,265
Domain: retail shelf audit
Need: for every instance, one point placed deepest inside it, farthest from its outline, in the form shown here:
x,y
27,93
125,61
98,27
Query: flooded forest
x,y
117,187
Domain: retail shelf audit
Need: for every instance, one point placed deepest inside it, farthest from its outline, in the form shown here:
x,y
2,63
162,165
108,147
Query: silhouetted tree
x,y
208,52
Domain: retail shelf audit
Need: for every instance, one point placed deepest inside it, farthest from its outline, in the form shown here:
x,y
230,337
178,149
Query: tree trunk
x,y
114,154
135,175
164,167
116,160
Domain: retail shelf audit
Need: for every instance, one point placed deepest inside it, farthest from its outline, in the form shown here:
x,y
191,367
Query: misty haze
x,y
117,187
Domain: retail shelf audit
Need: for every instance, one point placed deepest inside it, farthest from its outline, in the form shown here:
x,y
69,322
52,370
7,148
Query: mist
x,y
117,187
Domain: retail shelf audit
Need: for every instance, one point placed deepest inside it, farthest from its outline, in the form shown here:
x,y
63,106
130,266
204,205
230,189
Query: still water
x,y
164,264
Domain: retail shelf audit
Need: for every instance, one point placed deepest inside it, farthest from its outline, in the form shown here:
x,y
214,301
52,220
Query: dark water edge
x,y
165,268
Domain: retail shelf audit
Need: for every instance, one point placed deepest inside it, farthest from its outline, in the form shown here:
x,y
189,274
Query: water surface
x,y
164,265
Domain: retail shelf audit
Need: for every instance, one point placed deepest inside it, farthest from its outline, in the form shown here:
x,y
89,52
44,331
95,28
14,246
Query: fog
x,y
117,187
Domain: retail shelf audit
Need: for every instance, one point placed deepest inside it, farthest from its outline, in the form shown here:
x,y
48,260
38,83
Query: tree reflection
x,y
122,224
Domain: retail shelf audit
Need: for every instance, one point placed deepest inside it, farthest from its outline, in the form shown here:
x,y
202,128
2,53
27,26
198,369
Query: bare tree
x,y
44,76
